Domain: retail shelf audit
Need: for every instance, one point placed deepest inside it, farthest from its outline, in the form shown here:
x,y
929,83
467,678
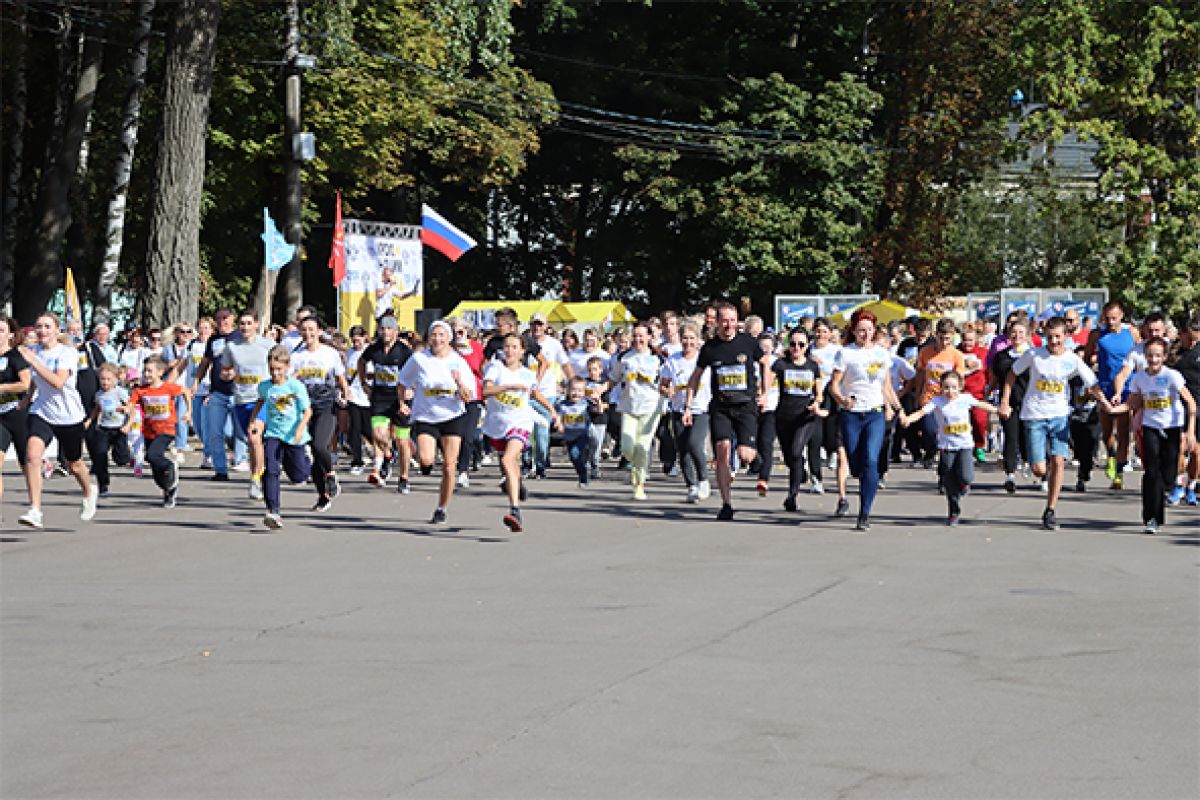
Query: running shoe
x,y
463,481
980,455
439,516
1110,468
952,521
169,497
322,505
1151,527
1176,496
1118,483
87,509
789,503
704,491
693,494
761,488
863,523
241,466
486,460
882,483
376,478
255,491
726,513
103,492
1189,496
332,486
206,463
817,487
1010,485
31,518
356,469
402,486
273,521
843,507
1081,486
385,471
513,520
639,491
1049,520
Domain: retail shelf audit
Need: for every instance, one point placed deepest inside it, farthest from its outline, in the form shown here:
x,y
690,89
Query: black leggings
x,y
1160,457
100,443
360,429
689,447
321,428
795,437
1014,440
14,429
766,444
828,435
1085,438
467,451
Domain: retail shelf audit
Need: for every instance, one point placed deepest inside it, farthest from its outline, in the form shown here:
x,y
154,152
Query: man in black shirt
x,y
507,323
382,360
739,388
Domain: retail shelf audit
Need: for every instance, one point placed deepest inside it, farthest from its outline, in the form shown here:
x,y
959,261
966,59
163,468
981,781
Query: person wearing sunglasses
x,y
800,408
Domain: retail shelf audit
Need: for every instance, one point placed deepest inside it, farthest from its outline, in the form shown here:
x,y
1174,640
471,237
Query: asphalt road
x,y
613,650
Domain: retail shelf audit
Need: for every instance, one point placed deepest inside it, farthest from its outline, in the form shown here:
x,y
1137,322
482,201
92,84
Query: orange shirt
x,y
932,364
158,408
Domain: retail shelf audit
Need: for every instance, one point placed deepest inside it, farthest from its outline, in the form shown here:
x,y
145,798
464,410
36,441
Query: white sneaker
x,y
464,481
88,509
256,492
486,460
693,494
206,463
817,487
241,466
31,518
639,491
273,521
703,490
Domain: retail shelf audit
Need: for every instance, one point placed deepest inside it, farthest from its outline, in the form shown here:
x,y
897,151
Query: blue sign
x,y
1028,306
836,307
987,310
792,313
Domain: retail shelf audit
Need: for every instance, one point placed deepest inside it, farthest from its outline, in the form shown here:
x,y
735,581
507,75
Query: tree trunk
x,y
15,158
173,253
52,216
123,169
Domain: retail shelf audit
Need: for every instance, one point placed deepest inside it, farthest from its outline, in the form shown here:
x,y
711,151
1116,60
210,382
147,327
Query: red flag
x,y
337,254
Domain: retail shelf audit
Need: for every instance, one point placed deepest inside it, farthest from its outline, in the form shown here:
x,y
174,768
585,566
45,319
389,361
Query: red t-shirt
x,y
474,360
974,382
158,408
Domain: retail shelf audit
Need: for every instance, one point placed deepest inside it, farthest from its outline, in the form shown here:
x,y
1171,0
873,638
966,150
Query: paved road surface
x,y
612,651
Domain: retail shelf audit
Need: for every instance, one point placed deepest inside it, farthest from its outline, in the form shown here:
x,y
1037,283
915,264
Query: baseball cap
x,y
537,317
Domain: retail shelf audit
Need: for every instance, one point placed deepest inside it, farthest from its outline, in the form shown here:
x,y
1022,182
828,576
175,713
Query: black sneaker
x,y
1010,486
322,504
402,486
789,503
332,487
513,520
427,469
843,507
172,475
220,477
439,516
1081,486
522,492
169,497
1049,520
103,491
863,523
726,513
385,469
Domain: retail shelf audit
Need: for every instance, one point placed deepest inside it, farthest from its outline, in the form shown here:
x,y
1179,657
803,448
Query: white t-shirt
x,y
825,356
579,359
953,421
1049,393
639,374
1136,360
57,406
110,404
358,395
194,355
435,392
318,370
552,349
772,403
1160,398
383,303
902,372
131,359
509,410
864,370
678,371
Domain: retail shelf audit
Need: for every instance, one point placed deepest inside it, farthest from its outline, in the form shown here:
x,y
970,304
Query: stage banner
x,y
372,247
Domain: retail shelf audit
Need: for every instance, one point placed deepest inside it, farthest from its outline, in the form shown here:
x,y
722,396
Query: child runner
x,y
319,367
573,411
14,383
55,413
690,439
358,405
284,431
156,399
1045,410
598,410
1168,425
800,408
508,386
952,409
105,426
442,384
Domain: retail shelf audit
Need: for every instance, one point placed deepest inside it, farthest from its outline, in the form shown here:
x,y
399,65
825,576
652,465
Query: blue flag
x,y
278,251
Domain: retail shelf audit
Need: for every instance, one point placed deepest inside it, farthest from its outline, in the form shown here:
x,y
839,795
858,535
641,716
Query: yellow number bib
x,y
249,380
1050,387
437,391
955,428
311,373
511,399
1158,403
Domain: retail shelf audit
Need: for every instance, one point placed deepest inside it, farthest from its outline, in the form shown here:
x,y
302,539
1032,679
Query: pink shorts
x,y
512,434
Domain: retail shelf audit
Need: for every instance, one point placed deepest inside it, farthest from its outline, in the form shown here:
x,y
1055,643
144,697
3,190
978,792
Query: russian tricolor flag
x,y
439,234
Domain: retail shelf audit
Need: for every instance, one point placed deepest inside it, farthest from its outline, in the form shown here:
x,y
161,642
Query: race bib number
x,y
956,428
732,378
387,376
639,377
438,391
875,367
83,360
249,379
311,374
511,399
156,409
797,382
1158,403
1050,387
574,420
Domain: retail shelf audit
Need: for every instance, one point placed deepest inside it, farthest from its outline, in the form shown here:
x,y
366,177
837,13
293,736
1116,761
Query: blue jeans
x,y
579,450
541,436
181,427
1047,435
220,409
862,436
200,419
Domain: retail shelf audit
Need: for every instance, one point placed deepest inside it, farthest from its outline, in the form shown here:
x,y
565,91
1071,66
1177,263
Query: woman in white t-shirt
x,y
442,384
55,413
638,371
358,406
1168,426
861,384
509,386
828,436
689,439
320,368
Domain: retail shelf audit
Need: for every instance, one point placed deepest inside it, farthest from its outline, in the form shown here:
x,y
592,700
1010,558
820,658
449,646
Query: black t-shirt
x,y
734,365
386,363
1188,366
797,384
1002,364
910,348
495,349
11,364
212,351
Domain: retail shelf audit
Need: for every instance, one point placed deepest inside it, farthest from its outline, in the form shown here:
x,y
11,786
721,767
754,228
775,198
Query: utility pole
x,y
292,231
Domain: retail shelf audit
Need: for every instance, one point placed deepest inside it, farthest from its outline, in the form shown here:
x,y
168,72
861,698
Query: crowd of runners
x,y
711,396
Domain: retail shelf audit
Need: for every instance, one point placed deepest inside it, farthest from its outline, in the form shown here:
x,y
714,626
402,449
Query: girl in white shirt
x,y
442,384
55,413
638,371
508,424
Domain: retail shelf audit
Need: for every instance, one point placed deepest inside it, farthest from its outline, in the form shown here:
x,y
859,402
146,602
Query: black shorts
x,y
734,422
14,432
451,427
70,437
390,408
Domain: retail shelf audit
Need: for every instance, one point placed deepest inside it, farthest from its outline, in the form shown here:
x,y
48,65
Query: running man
x,y
379,373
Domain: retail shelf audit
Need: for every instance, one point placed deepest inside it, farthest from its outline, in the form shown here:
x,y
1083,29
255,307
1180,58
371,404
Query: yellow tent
x,y
482,312
884,310
608,312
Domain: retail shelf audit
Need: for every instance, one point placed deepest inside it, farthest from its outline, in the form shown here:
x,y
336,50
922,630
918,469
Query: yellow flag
x,y
71,307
